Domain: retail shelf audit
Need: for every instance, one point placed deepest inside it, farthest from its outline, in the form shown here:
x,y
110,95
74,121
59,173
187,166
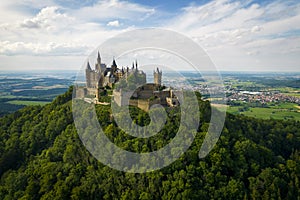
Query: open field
x,y
28,103
19,90
292,94
280,111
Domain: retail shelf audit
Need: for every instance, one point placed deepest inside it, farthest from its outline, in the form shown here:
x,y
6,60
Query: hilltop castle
x,y
103,78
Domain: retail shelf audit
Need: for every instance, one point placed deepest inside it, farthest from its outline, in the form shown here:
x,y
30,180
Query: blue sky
x,y
237,35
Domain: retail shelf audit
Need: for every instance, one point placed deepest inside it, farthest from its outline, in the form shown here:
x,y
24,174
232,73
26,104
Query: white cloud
x,y
109,9
234,34
50,32
115,23
48,49
48,18
86,26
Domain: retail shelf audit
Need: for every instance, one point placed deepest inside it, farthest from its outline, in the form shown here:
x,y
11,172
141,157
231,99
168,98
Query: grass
x,y
7,97
285,89
279,111
290,106
234,109
293,94
268,113
28,103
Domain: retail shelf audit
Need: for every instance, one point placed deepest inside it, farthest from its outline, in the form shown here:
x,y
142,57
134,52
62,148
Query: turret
x,y
114,66
88,66
99,58
136,65
157,76
98,64
88,72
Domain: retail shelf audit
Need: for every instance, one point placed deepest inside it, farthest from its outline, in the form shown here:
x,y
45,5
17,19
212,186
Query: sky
x,y
248,35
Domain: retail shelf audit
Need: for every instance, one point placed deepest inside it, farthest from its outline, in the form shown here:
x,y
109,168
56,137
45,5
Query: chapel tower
x,y
157,76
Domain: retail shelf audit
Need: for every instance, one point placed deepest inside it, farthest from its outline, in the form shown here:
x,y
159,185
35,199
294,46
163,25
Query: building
x,y
103,76
157,76
120,80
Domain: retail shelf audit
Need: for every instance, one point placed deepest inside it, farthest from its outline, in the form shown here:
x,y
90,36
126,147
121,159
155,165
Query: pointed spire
x,y
114,64
99,58
136,64
88,66
132,65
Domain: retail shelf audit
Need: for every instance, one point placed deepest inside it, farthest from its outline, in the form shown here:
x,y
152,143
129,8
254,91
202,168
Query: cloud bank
x,y
237,35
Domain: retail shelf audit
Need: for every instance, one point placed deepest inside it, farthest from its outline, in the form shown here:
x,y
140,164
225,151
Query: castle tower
x,y
157,76
136,65
88,73
98,64
114,66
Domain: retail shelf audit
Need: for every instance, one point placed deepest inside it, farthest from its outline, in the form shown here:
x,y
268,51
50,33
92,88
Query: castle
x,y
104,78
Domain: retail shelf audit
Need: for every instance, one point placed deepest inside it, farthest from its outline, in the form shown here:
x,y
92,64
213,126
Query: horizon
x,y
221,71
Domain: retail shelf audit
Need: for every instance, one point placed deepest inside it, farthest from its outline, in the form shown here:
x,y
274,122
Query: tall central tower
x,y
157,76
98,64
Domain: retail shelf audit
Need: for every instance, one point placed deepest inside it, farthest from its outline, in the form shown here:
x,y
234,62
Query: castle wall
x,y
92,92
134,102
121,98
162,95
80,92
146,91
143,104
145,94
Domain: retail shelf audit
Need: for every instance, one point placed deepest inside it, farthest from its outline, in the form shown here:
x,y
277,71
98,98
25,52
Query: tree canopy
x,y
42,157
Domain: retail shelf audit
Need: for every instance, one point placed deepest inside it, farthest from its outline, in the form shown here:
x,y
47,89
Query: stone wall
x,y
80,92
162,95
121,98
143,104
145,97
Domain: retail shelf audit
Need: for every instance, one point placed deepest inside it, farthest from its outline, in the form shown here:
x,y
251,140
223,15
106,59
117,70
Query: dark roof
x,y
114,64
88,66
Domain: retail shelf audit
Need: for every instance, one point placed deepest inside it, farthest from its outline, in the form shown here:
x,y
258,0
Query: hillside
x,y
42,157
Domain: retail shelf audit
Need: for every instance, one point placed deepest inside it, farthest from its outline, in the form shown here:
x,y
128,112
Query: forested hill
x,y
42,157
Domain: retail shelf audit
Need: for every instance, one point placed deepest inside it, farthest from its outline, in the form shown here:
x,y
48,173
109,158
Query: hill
x,y
42,157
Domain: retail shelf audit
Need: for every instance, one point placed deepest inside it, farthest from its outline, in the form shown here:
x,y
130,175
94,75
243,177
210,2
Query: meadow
x,y
272,111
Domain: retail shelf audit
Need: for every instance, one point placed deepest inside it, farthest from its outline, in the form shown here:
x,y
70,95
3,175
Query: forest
x,y
42,157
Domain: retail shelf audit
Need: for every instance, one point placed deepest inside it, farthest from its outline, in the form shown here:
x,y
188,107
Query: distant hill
x,y
18,90
42,157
